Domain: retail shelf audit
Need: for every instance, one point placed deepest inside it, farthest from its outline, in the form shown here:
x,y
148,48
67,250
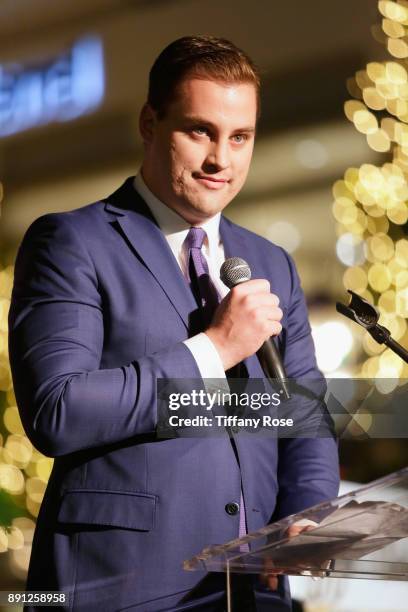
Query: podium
x,y
357,535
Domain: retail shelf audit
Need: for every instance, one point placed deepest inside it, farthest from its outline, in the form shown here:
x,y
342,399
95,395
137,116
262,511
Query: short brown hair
x,y
203,57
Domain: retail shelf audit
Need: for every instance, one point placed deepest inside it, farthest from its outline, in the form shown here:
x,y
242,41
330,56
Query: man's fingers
x,y
270,581
258,285
268,313
295,529
256,300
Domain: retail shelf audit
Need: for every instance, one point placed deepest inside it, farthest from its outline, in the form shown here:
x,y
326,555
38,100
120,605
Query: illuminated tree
x,y
24,471
370,203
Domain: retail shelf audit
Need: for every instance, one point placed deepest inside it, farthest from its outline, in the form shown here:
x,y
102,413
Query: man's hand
x,y
270,580
245,318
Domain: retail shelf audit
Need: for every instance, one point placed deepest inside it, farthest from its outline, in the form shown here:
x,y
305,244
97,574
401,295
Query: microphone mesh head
x,y
234,271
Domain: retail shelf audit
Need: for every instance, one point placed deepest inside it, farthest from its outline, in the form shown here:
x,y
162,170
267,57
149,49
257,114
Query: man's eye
x,y
200,131
239,138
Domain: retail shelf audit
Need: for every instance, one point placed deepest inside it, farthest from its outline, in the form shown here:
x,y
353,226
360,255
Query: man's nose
x,y
218,156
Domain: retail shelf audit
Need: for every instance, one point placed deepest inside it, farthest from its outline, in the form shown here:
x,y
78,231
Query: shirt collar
x,y
173,226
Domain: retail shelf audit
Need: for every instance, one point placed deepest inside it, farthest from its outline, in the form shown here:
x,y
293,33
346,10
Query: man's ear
x,y
147,122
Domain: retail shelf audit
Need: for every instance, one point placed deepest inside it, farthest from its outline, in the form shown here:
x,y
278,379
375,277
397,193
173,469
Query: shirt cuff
x,y
206,355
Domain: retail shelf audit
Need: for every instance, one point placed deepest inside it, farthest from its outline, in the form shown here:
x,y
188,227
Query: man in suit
x,y
103,305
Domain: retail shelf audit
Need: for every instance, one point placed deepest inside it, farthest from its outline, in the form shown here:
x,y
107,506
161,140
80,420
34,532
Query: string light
x,y
370,203
24,472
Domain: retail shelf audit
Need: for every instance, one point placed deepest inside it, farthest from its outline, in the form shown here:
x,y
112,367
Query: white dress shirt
x,y
175,230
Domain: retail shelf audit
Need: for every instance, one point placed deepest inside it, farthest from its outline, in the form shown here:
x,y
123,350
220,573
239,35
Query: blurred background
x,y
73,78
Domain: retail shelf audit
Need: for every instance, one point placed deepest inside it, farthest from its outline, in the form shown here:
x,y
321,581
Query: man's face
x,y
198,155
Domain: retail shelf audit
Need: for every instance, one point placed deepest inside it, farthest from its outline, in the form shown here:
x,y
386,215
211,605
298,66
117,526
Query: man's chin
x,y
198,210
210,206
207,212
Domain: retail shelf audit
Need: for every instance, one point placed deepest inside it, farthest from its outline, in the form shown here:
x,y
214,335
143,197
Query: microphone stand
x,y
365,314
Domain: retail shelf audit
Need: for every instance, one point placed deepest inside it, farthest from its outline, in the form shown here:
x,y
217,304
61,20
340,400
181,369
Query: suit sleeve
x,y
56,335
308,468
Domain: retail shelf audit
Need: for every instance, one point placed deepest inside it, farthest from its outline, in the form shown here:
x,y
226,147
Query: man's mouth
x,y
211,182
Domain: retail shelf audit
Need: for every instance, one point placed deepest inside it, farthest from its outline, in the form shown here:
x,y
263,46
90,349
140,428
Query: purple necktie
x,y
208,299
203,289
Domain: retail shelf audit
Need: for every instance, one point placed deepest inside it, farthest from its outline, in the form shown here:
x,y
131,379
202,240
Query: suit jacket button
x,y
232,508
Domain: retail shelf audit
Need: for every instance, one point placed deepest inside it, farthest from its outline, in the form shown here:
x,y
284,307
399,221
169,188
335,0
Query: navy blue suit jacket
x,y
99,311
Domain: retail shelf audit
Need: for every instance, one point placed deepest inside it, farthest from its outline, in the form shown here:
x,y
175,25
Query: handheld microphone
x,y
234,271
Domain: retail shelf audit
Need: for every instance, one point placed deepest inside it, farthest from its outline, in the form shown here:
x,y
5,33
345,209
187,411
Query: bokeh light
x,y
350,249
285,234
333,342
371,202
24,472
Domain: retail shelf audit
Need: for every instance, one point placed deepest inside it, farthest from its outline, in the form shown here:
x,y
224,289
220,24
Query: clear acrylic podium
x,y
358,536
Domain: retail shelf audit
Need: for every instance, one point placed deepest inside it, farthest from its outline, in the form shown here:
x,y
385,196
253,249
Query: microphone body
x,y
235,271
272,365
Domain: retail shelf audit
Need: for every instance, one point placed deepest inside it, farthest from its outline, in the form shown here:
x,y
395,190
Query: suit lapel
x,y
237,244
145,237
